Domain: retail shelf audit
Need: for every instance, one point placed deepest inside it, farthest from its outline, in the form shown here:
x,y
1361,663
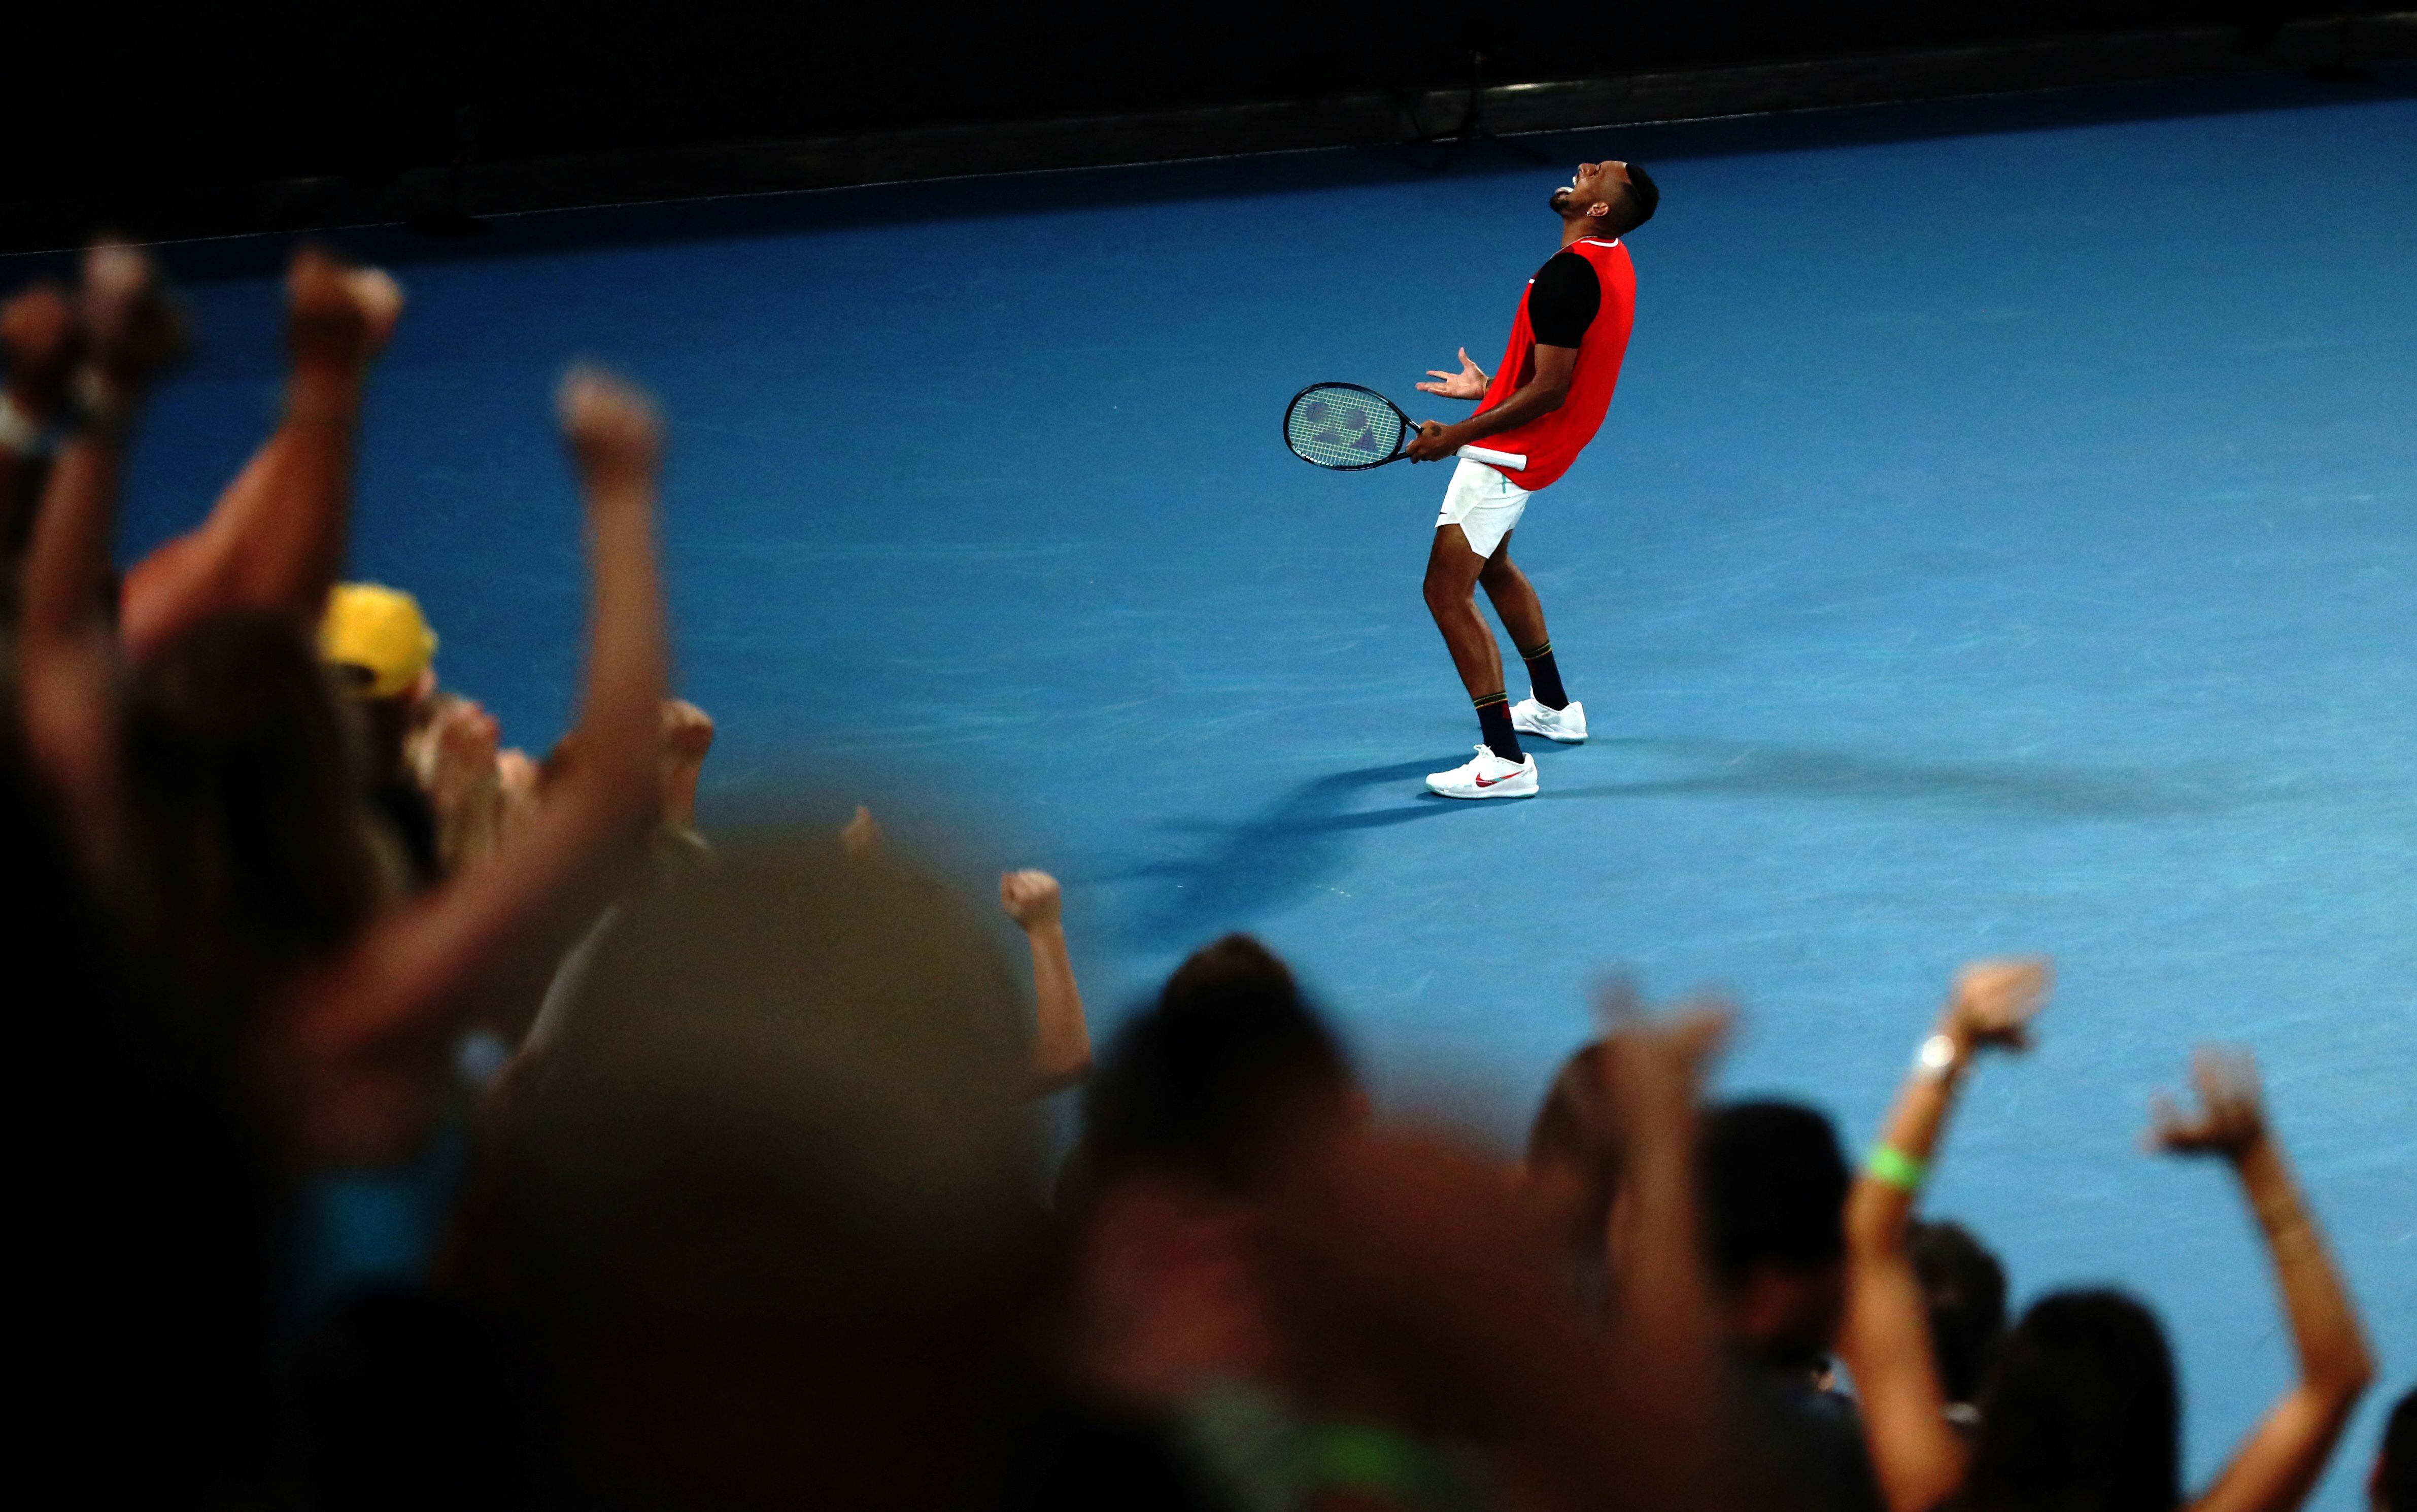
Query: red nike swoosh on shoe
x,y
1489,782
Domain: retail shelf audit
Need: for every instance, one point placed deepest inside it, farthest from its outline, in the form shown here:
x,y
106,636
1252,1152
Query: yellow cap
x,y
380,630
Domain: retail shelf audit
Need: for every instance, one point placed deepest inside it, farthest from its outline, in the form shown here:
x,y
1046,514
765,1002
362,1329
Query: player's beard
x,y
1558,202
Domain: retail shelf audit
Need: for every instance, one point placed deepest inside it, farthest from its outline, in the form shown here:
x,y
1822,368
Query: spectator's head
x,y
1965,1288
770,1203
2081,1414
1774,1210
2391,1486
1182,1119
251,854
1205,1079
378,641
383,654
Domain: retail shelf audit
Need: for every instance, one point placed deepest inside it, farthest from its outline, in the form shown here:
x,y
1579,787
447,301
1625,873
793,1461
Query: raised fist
x,y
609,424
1030,897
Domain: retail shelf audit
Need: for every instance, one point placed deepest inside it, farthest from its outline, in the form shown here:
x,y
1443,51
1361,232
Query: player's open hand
x,y
1469,383
1429,445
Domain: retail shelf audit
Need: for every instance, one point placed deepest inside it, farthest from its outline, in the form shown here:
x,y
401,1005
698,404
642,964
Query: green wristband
x,y
1894,1167
1369,1456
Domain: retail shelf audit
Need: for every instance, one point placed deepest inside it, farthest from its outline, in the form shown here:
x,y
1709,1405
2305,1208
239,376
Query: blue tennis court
x,y
2004,539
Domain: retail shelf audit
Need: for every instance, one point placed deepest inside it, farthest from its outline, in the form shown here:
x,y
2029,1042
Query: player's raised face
x,y
1593,184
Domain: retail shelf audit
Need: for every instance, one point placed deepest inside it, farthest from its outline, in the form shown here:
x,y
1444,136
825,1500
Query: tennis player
x,y
1547,403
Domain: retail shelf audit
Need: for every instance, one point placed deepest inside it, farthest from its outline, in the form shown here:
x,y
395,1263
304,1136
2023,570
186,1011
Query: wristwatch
x,y
1936,1059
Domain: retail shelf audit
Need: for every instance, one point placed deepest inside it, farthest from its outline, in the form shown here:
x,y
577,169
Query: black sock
x,y
1493,721
1545,677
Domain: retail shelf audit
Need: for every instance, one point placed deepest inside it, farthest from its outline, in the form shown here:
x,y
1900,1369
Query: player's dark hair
x,y
2081,1414
1774,1188
1205,1079
1643,198
1964,1288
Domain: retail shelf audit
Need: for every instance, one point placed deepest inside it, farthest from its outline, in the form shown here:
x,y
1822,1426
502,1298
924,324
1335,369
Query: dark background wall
x,y
110,107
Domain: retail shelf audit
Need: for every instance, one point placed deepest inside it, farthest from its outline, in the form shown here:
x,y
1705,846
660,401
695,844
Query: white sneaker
x,y
1487,777
1568,725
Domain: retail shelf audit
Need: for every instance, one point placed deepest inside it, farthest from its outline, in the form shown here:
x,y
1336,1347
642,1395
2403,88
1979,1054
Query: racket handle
x,y
1515,461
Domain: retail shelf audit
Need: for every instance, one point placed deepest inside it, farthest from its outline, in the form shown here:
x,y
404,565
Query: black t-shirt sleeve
x,y
1562,303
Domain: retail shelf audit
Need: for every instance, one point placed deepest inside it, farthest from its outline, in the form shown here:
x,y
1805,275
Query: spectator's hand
x,y
459,760
517,774
455,760
516,790
1469,383
2232,1121
1655,1064
614,439
1030,897
861,836
379,298
688,731
336,316
38,336
133,331
1994,1001
688,734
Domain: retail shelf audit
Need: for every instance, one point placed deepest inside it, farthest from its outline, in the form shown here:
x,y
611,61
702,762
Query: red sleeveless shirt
x,y
1552,442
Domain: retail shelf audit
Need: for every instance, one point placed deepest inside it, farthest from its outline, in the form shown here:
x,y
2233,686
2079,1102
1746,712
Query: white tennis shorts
x,y
1483,504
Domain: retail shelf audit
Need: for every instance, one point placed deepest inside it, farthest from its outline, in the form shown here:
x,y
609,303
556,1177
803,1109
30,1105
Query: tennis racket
x,y
1350,428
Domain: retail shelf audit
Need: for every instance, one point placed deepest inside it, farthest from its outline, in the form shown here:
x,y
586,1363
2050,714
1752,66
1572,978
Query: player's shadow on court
x,y
1304,838
2013,787
1287,848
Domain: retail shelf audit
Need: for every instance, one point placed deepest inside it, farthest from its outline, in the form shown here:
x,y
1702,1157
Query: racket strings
x,y
1340,427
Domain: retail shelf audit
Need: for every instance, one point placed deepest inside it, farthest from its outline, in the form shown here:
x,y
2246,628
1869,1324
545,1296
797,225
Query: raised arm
x,y
1662,1305
66,654
687,738
1416,1287
275,540
1917,1457
356,1043
1061,1039
2274,1469
38,335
